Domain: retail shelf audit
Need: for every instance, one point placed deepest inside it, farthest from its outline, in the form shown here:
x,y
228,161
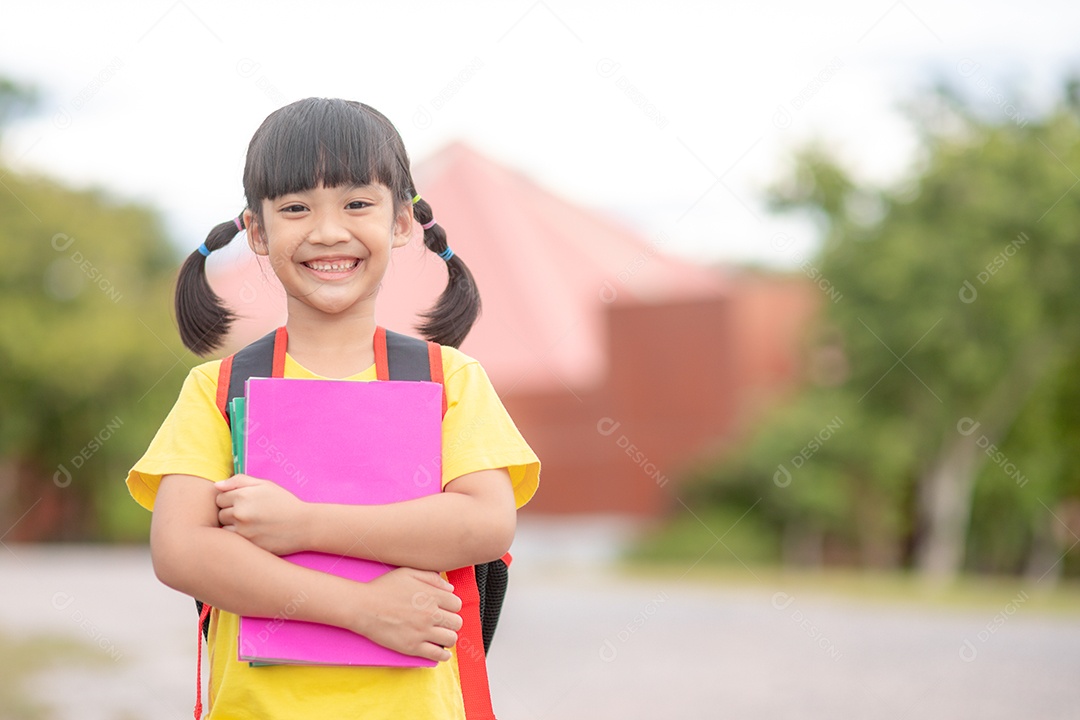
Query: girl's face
x,y
330,247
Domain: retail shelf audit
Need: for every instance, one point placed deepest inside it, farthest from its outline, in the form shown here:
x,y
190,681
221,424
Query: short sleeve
x,y
193,440
478,432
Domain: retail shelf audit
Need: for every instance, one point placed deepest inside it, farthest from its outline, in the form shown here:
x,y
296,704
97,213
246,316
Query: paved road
x,y
590,645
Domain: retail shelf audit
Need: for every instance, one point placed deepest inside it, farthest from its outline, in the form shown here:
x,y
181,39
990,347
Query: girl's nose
x,y
329,230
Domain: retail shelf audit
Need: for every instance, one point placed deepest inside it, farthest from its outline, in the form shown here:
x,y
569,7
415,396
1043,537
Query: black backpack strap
x,y
492,580
407,358
255,360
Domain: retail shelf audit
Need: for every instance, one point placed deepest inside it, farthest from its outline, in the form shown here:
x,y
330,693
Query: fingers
x,y
227,485
442,592
227,489
431,578
236,482
443,637
439,603
450,621
443,634
431,651
439,607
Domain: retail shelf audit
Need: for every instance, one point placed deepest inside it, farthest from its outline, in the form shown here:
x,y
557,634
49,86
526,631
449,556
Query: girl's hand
x,y
413,612
263,512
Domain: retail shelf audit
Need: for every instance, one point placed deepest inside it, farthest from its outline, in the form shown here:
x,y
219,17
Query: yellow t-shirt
x,y
477,434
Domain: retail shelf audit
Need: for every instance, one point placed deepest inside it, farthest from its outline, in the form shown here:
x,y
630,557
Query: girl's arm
x,y
193,554
472,521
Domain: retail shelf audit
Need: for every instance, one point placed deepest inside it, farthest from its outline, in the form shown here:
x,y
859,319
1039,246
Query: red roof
x,y
546,269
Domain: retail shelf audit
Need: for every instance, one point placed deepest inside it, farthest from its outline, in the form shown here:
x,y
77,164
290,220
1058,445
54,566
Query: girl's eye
x,y
357,205
293,209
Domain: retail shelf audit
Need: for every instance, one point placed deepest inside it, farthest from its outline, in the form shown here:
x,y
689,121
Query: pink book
x,y
346,442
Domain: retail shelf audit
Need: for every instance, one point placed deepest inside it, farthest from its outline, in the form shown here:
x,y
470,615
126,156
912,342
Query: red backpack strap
x,y
204,617
382,362
224,376
472,663
435,364
281,344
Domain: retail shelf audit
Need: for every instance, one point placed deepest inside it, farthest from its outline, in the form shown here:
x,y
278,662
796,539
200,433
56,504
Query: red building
x,y
619,363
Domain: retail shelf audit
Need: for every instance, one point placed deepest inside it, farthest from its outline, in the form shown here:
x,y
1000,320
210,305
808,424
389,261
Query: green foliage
x,y
1028,493
89,361
957,295
722,536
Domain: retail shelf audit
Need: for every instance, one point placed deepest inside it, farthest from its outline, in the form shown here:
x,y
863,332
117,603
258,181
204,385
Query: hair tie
x,y
429,224
446,254
239,224
416,198
204,251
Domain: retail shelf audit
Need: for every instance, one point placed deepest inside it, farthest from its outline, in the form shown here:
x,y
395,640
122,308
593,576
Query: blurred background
x,y
782,295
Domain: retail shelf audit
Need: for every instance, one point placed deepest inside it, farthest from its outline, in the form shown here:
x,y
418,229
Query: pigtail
x,y
457,308
202,317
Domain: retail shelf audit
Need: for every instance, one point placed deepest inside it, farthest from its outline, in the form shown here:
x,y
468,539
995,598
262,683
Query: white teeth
x,y
339,266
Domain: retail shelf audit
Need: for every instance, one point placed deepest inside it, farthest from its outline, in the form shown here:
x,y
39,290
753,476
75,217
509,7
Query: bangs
x,y
324,142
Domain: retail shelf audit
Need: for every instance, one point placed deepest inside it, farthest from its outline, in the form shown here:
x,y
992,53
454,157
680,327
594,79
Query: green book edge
x,y
238,421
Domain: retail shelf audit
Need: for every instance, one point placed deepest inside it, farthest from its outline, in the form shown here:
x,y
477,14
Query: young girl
x,y
329,195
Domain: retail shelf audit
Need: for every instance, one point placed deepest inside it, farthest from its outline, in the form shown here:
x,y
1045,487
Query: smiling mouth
x,y
332,266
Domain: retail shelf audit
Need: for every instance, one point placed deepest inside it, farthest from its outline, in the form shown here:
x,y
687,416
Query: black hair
x,y
459,304
202,317
301,146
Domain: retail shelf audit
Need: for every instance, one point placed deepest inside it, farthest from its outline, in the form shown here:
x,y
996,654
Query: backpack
x,y
481,588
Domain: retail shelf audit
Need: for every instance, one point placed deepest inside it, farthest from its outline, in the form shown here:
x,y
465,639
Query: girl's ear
x,y
255,236
404,227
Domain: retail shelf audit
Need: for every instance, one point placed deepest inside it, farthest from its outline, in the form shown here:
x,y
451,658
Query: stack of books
x,y
335,441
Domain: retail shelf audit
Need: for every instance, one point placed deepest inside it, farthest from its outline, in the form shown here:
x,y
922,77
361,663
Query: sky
x,y
673,117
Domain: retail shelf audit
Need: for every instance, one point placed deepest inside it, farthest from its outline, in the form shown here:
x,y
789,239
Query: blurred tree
x,y
956,329
88,357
